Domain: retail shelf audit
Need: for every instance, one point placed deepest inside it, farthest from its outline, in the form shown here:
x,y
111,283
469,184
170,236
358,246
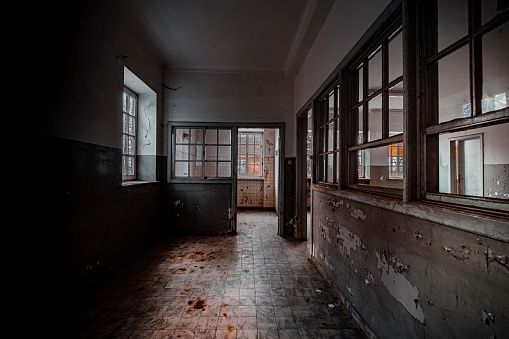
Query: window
x,y
250,154
129,125
202,153
467,109
396,161
376,113
328,137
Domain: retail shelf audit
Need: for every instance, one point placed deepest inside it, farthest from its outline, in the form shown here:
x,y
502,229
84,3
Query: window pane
x,y
224,153
243,139
210,152
375,72
124,102
490,8
475,162
224,169
396,160
361,83
225,137
242,149
132,109
131,126
181,152
196,136
124,165
360,128
453,86
211,136
125,123
375,118
331,106
195,169
396,57
124,145
495,67
131,145
181,135
396,110
130,166
195,152
211,169
258,139
330,168
331,135
452,21
181,169
376,168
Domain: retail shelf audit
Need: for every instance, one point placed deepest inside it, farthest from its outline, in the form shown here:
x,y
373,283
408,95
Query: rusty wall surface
x,y
411,278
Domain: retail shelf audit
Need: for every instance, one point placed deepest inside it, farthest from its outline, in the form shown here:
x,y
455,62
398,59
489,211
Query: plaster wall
x,y
343,28
407,277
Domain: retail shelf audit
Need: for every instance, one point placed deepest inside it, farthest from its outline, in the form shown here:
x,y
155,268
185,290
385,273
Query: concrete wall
x,y
408,277
95,220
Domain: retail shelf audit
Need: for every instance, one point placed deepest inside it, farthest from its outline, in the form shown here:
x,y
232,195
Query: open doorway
x,y
258,179
304,174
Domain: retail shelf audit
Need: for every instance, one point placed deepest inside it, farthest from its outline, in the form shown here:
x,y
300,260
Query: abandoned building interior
x,y
372,134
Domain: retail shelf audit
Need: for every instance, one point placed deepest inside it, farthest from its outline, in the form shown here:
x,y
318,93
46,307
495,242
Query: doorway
x,y
258,179
466,159
304,174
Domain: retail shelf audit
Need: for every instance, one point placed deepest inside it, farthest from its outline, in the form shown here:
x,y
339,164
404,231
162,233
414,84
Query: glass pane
x,y
125,123
225,137
195,152
131,145
376,168
242,169
375,118
331,106
250,138
124,144
375,72
124,102
211,136
361,83
195,169
243,139
250,149
224,153
396,57
242,149
130,166
181,152
132,110
181,169
258,139
210,152
396,160
181,135
124,165
490,8
323,168
495,65
196,136
453,86
330,168
257,169
131,128
360,128
396,110
224,169
331,135
475,162
452,21
211,169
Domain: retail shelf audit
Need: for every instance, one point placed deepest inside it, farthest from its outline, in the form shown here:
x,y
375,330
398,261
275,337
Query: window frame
x,y
432,128
324,122
204,144
392,27
134,135
241,133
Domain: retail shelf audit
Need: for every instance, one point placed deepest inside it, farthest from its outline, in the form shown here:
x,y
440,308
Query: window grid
x,y
129,116
250,154
328,136
202,153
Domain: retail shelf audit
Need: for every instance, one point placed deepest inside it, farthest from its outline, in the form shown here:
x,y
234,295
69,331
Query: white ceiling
x,y
268,36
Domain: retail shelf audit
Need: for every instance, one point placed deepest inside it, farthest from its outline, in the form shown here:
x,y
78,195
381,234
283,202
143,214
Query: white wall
x,y
345,25
228,97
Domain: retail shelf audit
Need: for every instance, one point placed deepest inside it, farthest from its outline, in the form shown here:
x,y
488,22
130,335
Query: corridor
x,y
252,285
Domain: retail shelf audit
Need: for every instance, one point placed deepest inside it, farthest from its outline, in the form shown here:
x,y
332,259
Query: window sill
x,y
485,223
137,183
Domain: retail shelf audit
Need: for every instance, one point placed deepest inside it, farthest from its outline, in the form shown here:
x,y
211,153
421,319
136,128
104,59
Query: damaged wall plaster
x,y
398,285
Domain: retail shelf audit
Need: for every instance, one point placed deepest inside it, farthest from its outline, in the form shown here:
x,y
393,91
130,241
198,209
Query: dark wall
x,y
407,277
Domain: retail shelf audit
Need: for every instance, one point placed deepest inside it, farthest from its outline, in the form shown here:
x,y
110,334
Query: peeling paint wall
x,y
406,277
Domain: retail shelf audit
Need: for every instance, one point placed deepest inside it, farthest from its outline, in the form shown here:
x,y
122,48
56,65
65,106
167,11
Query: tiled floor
x,y
252,285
